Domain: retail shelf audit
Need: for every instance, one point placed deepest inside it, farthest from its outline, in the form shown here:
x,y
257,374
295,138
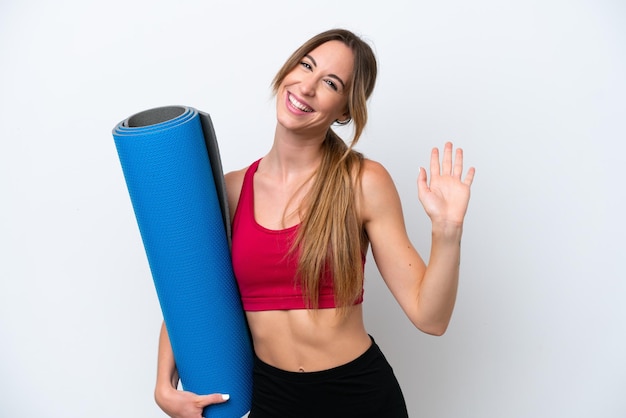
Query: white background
x,y
533,91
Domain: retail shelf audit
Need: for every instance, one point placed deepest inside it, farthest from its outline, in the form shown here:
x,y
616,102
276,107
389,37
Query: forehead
x,y
335,57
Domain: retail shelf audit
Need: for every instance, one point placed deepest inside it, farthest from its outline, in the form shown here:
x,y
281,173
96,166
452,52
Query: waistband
x,y
364,361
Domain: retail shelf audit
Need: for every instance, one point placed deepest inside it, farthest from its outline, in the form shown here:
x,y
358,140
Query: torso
x,y
298,339
302,340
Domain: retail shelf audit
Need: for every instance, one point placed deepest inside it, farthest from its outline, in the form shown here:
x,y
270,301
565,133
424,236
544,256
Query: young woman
x,y
303,218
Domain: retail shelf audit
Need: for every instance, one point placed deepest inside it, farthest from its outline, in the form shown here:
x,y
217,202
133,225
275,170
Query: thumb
x,y
205,400
422,180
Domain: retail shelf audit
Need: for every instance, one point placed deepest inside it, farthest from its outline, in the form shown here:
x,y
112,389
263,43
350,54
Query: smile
x,y
300,106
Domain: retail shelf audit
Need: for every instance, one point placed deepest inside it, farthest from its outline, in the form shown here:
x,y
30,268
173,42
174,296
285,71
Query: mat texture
x,y
171,165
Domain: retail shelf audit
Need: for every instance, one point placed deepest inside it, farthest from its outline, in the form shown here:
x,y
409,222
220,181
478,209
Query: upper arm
x,y
399,263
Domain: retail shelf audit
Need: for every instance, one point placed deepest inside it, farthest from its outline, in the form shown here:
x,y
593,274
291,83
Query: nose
x,y
308,84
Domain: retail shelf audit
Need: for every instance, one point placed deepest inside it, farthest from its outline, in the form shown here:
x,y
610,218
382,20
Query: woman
x,y
303,217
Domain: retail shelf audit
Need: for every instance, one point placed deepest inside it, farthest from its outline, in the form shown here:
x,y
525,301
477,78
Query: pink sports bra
x,y
263,265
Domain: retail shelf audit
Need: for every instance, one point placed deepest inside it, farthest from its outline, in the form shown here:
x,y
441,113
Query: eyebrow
x,y
336,77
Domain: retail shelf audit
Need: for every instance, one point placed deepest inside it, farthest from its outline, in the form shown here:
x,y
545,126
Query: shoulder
x,y
374,177
234,181
377,191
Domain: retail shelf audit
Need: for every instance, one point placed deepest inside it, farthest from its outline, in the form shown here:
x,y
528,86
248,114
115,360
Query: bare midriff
x,y
302,340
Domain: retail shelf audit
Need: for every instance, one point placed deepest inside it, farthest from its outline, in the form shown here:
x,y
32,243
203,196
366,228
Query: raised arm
x,y
426,293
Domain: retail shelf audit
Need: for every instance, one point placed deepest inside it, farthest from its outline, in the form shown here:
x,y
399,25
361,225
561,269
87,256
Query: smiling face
x,y
315,92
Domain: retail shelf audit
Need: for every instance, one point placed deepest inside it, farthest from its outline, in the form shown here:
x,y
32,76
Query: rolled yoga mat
x,y
173,172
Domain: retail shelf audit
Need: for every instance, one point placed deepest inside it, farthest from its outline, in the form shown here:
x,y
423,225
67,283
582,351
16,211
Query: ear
x,y
345,119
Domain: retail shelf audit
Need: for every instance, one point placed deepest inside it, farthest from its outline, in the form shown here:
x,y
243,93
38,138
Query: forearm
x,y
438,288
167,374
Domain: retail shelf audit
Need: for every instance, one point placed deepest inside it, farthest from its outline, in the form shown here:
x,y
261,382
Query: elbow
x,y
434,329
435,332
431,322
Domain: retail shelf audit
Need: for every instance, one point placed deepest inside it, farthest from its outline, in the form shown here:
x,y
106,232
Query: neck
x,y
292,154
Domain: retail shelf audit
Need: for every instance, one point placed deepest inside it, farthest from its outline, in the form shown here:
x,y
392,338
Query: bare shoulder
x,y
374,176
234,178
377,190
234,181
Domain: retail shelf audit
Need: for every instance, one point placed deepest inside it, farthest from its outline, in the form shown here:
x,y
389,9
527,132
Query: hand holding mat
x,y
173,172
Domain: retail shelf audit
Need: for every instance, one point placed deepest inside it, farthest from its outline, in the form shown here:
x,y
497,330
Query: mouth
x,y
298,105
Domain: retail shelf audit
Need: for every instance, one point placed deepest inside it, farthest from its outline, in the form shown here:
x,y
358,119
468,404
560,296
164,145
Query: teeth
x,y
299,105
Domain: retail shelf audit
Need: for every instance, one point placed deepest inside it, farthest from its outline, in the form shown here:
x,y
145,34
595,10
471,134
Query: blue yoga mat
x,y
170,159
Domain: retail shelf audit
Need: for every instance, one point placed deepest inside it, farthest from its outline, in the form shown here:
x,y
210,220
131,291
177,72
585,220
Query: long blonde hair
x,y
330,234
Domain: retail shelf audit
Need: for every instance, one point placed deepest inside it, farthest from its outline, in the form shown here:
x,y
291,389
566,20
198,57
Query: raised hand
x,y
446,197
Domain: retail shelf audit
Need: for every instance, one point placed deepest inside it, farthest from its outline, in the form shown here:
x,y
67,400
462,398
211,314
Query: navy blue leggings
x,y
364,387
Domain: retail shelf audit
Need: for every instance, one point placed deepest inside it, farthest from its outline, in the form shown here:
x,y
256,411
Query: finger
x,y
205,400
469,178
434,162
422,180
447,159
458,163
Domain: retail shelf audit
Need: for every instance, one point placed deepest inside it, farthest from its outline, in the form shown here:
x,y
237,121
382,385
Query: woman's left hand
x,y
446,197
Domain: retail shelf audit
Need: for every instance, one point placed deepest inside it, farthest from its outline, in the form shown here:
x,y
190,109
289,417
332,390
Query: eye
x,y
332,84
306,65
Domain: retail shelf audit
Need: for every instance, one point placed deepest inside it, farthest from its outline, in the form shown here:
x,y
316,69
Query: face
x,y
315,93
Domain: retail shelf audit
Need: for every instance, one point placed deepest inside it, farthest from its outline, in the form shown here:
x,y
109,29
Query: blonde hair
x,y
330,234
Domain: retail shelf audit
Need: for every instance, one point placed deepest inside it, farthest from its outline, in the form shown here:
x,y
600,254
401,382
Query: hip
x,y
363,387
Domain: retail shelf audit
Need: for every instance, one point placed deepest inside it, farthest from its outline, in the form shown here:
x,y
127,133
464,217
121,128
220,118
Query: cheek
x,y
340,106
290,78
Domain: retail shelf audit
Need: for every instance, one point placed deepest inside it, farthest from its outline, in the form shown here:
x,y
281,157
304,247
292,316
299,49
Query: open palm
x,y
446,197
